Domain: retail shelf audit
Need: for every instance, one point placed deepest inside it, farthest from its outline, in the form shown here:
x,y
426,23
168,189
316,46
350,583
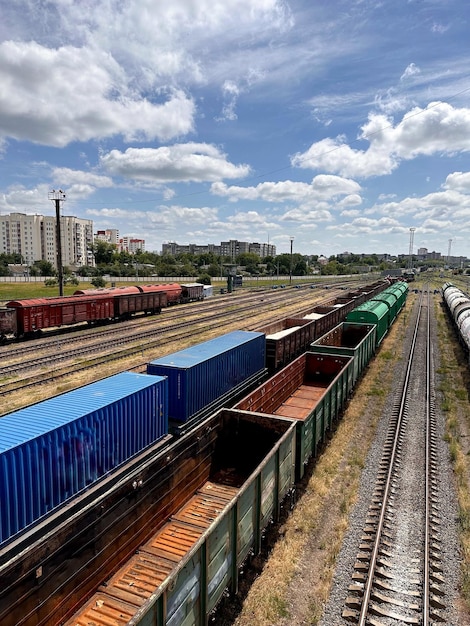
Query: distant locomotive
x,y
28,318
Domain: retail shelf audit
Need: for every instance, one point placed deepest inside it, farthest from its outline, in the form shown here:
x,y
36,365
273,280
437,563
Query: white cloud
x,y
411,70
366,226
56,96
180,162
30,200
322,187
458,181
65,176
437,129
306,215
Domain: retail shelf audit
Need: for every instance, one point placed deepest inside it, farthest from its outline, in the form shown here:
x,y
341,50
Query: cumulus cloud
x,y
165,218
458,181
366,226
322,187
307,215
66,176
28,199
180,162
56,96
437,129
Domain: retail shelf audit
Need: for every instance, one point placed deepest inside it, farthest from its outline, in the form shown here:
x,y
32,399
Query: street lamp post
x,y
58,197
290,267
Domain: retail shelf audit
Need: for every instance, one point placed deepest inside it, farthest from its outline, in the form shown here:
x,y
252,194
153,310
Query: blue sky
x,y
342,124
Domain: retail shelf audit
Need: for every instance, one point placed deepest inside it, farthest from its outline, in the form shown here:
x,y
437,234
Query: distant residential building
x,y
130,245
172,248
35,238
111,235
231,248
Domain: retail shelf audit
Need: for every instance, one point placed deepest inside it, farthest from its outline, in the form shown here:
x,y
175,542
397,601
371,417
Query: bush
x,y
98,282
205,279
50,282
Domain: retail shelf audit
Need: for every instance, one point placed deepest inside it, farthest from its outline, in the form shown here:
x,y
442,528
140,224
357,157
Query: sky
x,y
340,124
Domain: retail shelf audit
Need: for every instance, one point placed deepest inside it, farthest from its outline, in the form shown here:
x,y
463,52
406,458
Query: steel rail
x,y
363,616
427,541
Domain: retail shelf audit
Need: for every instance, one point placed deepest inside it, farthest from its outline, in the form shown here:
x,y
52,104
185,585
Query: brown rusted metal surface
x,y
102,610
141,576
301,403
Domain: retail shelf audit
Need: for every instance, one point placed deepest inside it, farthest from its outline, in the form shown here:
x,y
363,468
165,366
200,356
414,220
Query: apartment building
x,y
231,248
35,238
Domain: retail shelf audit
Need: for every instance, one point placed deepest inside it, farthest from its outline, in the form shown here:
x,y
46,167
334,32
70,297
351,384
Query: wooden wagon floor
x,y
302,402
140,577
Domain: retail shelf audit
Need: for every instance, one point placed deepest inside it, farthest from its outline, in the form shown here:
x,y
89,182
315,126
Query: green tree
x,y
45,268
103,252
98,282
205,279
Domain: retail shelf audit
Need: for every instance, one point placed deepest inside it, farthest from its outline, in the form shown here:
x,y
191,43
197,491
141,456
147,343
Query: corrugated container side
x,y
52,450
203,373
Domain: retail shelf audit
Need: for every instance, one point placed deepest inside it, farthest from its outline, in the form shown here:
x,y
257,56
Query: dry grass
x,y
296,580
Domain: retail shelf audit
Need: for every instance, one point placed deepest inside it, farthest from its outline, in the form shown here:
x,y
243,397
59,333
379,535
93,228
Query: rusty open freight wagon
x,y
312,390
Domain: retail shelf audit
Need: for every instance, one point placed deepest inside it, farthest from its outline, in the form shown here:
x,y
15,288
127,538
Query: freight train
x,y
458,307
28,318
106,523
288,338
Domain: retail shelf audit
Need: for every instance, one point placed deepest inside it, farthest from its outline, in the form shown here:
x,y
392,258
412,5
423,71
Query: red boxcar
x,y
128,303
173,291
37,314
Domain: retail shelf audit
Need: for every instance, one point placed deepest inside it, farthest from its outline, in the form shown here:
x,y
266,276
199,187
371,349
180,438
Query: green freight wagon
x,y
349,339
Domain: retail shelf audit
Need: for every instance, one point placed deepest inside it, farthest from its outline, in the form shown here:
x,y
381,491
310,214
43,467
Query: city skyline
x,y
341,125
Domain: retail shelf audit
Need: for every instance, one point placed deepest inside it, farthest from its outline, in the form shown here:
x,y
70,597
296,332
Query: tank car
x,y
458,306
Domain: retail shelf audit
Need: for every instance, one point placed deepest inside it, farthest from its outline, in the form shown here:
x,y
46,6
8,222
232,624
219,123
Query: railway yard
x,y
369,526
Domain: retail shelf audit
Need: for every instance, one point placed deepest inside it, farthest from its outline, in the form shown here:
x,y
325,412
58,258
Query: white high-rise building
x,y
110,235
35,238
131,245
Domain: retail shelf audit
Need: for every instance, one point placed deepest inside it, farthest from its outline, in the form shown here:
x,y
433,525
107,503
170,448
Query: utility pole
x,y
410,259
58,197
290,268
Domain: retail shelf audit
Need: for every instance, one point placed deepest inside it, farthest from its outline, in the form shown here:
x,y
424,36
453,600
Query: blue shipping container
x,y
52,450
205,372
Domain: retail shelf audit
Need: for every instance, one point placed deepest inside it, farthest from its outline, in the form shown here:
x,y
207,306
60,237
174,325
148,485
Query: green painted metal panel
x,y
246,521
219,560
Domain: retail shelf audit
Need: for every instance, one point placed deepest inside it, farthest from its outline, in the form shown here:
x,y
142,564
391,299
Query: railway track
x,y
398,571
63,358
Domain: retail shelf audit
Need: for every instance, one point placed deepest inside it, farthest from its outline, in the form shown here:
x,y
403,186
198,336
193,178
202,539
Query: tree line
x,y
109,261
